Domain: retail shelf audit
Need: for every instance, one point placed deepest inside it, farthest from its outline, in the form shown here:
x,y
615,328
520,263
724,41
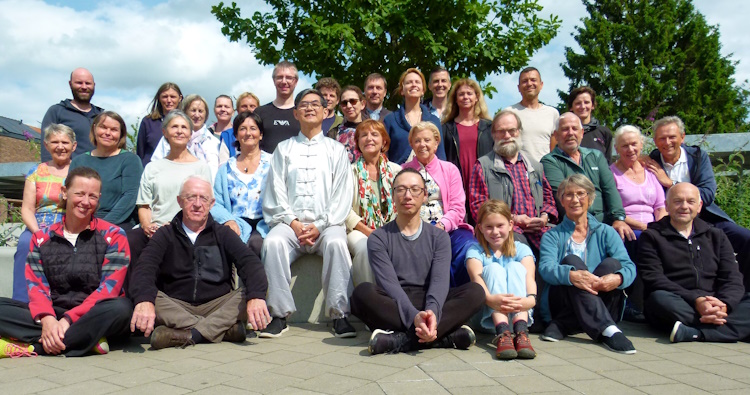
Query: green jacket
x,y
607,206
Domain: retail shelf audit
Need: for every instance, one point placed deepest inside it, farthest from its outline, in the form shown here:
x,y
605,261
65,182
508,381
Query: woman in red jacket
x,y
74,275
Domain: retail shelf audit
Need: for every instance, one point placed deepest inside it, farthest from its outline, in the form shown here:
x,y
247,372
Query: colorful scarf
x,y
375,214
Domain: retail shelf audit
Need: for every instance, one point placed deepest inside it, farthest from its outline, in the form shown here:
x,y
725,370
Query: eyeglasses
x,y
193,198
351,102
415,191
511,132
578,195
303,105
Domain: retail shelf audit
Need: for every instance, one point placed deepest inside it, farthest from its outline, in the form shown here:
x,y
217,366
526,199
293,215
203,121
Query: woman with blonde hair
x,y
445,205
467,127
411,86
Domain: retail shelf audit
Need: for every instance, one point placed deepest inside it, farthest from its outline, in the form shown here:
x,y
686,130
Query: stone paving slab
x,y
309,360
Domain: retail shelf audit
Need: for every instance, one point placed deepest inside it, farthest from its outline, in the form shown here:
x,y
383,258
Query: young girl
x,y
505,269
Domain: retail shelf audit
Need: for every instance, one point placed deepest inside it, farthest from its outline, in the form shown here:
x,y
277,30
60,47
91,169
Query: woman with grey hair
x,y
643,199
161,181
203,144
586,268
41,195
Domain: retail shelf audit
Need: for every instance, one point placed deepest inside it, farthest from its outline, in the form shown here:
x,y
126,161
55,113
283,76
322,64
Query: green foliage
x,y
10,223
733,189
349,39
132,136
650,58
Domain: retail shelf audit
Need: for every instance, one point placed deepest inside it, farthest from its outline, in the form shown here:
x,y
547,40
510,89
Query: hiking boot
x,y
163,337
505,350
618,343
101,347
275,328
236,334
523,346
388,342
553,333
15,349
684,333
342,328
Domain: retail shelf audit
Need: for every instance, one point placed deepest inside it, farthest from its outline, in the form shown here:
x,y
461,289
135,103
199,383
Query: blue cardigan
x,y
398,129
222,210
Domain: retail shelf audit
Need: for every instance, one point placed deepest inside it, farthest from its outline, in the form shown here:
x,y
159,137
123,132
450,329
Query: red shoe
x,y
523,346
505,349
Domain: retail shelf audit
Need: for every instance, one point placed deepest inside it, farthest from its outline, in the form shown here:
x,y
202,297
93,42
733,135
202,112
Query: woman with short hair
x,y
41,197
586,268
445,206
582,102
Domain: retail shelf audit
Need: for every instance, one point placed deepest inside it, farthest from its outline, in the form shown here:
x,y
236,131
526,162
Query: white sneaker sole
x,y
675,328
269,335
627,352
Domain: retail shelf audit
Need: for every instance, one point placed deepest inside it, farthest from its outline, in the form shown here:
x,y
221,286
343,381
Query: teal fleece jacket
x,y
558,166
602,242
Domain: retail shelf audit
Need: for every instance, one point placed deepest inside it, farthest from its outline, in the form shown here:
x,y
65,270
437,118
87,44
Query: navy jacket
x,y
702,176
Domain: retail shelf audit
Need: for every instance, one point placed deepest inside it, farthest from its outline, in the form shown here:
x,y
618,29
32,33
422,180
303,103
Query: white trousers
x,y
281,248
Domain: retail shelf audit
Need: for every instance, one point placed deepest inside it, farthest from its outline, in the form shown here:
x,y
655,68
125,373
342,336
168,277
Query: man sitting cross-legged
x,y
183,281
692,283
412,306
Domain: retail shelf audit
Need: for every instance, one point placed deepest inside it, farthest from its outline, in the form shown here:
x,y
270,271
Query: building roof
x,y
18,130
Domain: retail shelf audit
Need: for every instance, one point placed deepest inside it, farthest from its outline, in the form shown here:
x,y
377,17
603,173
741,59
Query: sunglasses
x,y
351,102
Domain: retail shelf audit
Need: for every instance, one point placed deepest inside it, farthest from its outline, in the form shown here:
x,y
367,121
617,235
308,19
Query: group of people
x,y
431,220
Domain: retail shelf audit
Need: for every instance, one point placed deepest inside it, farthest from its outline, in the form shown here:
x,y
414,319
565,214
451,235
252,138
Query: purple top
x,y
639,200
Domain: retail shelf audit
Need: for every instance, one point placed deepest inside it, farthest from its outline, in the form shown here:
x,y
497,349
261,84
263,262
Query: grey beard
x,y
507,150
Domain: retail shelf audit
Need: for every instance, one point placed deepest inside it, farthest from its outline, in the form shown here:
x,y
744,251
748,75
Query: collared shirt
x,y
678,172
523,202
374,114
310,180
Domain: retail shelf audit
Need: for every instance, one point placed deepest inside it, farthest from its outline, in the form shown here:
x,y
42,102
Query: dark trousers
x,y
378,310
137,241
574,309
664,308
635,290
739,237
108,318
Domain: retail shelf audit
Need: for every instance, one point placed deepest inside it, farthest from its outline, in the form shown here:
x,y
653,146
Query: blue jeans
x,y
461,240
509,278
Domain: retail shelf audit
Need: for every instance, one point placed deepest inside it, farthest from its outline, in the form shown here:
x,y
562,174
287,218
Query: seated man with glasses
x,y
508,175
183,282
308,196
412,306
570,158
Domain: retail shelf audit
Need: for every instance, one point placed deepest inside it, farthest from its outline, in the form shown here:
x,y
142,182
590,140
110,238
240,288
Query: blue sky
x,y
132,46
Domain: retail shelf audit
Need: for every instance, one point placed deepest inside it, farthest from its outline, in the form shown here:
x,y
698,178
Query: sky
x,y
133,46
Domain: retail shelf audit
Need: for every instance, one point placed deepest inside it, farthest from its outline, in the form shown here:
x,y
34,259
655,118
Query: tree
x,y
349,39
651,58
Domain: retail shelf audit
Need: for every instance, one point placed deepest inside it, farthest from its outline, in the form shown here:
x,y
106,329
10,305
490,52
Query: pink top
x,y
467,150
448,178
639,200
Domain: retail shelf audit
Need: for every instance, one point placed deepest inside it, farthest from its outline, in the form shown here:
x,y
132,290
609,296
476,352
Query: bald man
x,y
693,286
77,113
570,158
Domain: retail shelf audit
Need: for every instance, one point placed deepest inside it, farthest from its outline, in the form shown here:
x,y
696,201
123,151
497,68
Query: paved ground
x,y
307,359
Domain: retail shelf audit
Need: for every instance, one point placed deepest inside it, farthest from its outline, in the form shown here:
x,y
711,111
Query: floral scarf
x,y
375,214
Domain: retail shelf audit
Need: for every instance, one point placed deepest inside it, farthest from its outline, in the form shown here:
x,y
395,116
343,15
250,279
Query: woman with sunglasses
x,y
352,104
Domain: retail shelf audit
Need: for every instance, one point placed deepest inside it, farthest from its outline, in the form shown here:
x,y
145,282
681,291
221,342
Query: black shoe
x,y
537,327
618,343
631,314
553,333
163,337
684,333
388,342
236,334
275,328
342,328
462,338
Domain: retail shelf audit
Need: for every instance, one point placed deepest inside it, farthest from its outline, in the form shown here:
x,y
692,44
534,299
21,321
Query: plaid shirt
x,y
523,201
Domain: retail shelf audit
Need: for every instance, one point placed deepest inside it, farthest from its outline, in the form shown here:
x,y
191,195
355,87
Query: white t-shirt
x,y
538,125
160,185
678,172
